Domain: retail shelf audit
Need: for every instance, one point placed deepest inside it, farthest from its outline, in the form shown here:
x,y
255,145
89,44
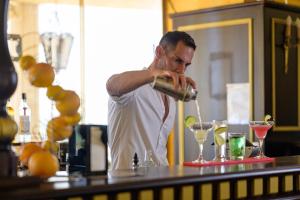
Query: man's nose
x,y
181,69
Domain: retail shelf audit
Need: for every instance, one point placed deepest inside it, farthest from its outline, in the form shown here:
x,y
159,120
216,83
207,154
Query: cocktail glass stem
x,y
261,154
200,157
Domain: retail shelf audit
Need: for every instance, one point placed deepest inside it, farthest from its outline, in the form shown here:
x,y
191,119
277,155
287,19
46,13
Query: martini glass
x,y
260,129
200,131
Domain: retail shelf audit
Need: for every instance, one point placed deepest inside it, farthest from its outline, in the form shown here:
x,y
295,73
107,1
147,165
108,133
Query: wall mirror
x,y
222,68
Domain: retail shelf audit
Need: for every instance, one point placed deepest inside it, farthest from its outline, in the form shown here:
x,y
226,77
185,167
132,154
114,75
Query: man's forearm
x,y
123,83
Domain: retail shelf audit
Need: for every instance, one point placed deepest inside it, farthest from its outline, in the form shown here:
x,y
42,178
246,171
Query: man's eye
x,y
179,61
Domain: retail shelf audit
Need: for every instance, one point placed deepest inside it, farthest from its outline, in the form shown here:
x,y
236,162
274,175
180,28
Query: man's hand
x,y
179,80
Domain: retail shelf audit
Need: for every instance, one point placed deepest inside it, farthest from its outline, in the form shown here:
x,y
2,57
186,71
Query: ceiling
x,y
139,4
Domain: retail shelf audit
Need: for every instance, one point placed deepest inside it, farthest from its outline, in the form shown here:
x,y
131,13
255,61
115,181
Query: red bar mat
x,y
228,162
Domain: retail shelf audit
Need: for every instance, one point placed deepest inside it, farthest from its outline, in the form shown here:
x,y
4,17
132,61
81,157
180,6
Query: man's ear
x,y
159,51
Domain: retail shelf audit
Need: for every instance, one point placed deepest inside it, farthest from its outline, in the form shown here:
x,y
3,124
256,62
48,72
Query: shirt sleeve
x,y
123,99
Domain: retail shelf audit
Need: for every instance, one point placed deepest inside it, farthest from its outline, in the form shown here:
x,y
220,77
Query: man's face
x,y
178,59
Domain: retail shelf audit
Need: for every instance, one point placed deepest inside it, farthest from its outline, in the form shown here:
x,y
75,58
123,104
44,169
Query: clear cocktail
x,y
260,129
200,131
220,136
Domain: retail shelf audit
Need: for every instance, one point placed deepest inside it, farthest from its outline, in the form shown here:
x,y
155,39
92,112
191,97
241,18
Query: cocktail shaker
x,y
165,85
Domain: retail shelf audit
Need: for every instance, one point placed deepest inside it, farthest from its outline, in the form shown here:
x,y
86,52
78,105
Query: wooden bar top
x,y
127,180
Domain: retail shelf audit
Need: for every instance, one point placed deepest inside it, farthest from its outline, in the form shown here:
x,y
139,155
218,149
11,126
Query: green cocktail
x,y
237,146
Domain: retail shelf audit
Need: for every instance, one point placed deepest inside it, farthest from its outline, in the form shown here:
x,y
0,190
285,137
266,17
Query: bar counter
x,y
266,180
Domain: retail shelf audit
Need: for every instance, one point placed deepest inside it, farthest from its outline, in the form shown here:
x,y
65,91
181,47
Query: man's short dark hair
x,y
170,40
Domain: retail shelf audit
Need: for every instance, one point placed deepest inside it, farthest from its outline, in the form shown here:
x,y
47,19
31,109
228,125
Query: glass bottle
x,y
24,123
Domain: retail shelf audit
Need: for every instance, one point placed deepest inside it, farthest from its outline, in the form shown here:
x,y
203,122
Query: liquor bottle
x,y
25,115
165,85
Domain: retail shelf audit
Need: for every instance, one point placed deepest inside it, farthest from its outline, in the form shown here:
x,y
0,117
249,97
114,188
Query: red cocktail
x,y
260,129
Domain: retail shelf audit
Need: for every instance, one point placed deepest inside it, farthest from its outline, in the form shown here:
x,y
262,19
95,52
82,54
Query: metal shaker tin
x,y
165,85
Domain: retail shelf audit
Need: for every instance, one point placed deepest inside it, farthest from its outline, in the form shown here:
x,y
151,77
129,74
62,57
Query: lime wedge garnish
x,y
267,118
190,121
219,140
221,129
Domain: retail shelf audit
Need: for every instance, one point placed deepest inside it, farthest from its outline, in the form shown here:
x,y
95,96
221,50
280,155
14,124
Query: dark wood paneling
x,y
283,139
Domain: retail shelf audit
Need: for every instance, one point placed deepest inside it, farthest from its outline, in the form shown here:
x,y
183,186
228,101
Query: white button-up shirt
x,y
135,125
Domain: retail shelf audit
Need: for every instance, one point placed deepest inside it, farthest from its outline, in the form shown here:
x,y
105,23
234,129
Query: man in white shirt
x,y
141,118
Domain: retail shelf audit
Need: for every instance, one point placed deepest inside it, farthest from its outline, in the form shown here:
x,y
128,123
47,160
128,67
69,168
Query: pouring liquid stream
x,y
198,113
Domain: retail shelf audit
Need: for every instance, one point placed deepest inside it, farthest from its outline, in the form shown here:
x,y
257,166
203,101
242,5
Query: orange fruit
x,y
26,152
50,146
55,92
8,128
26,62
72,119
41,75
69,104
58,129
43,164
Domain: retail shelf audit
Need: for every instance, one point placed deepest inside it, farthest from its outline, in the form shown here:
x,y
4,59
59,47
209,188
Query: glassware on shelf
x,y
200,131
260,129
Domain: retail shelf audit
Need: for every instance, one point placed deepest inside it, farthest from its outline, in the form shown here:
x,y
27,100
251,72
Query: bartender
x,y
139,117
